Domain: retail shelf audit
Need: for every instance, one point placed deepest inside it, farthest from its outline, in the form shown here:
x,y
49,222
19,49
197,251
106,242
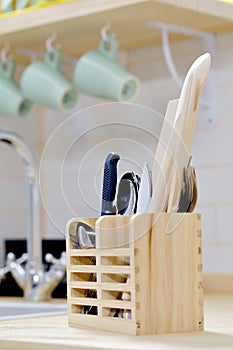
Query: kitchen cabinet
x,y
78,23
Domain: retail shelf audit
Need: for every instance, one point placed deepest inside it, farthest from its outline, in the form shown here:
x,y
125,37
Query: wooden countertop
x,y
52,333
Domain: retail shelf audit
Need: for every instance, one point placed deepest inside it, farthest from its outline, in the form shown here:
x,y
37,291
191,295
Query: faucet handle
x,y
61,262
11,258
4,271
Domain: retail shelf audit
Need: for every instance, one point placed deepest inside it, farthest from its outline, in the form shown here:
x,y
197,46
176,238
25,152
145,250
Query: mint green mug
x,y
44,83
98,73
12,102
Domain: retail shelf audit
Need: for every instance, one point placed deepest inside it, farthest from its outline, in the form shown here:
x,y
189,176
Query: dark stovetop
x,y
8,286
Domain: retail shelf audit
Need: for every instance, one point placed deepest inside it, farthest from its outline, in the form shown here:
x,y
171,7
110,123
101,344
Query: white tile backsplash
x,y
224,107
10,162
204,147
28,127
218,259
224,146
13,224
209,223
225,224
215,185
13,193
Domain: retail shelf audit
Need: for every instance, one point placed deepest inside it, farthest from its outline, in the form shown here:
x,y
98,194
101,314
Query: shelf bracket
x,y
208,102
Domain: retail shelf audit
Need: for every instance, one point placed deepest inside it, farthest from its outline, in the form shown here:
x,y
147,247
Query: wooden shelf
x,y
78,23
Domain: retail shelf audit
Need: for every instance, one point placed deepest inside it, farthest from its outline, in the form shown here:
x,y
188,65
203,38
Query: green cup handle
x,y
53,58
109,47
7,68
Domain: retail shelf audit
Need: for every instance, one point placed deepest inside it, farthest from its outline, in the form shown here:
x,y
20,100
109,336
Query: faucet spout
x,y
35,282
33,230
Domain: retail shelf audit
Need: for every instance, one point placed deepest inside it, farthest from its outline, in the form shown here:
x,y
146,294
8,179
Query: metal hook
x,y
4,52
104,30
49,42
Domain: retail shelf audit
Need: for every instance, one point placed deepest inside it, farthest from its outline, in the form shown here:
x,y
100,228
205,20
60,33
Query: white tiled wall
x,y
79,191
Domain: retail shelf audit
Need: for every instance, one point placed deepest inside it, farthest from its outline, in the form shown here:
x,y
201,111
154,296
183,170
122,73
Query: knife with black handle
x,y
109,184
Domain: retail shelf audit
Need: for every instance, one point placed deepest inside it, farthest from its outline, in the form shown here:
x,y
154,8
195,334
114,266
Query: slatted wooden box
x,y
148,266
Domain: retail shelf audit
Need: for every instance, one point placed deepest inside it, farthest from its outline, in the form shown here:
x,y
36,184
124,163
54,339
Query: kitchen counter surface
x,y
53,333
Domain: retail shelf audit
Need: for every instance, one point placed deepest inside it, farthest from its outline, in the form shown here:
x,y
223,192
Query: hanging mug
x,y
45,84
12,102
98,73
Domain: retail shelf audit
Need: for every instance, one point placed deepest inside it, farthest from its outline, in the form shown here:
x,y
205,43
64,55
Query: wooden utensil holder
x,y
146,265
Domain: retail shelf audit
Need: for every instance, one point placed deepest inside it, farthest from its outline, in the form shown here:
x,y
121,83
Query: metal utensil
x,y
127,194
145,190
84,236
124,194
195,193
188,196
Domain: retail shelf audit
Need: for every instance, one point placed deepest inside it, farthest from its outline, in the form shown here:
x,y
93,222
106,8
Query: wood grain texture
x,y
78,24
185,124
160,268
173,151
112,231
172,278
53,333
163,160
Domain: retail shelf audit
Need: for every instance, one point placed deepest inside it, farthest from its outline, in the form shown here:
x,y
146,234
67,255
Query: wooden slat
x,y
103,269
113,324
104,286
101,252
122,304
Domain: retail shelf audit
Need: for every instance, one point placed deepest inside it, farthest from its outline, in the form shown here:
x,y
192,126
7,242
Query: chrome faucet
x,y
28,270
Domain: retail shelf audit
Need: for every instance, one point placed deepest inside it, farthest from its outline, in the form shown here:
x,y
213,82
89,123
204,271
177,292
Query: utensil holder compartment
x,y
147,267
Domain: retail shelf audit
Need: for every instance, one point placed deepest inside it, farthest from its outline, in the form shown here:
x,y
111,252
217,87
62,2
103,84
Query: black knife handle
x,y
109,184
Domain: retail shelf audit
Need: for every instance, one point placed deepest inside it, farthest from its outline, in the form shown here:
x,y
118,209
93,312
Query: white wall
x,y
212,154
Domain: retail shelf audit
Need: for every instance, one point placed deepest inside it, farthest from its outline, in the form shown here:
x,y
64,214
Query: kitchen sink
x,y
10,310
